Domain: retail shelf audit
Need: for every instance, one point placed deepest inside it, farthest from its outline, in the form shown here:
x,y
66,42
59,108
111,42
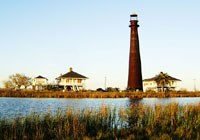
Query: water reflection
x,y
19,107
134,102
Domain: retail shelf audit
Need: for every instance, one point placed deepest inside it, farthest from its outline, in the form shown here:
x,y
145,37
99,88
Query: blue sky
x,y
46,37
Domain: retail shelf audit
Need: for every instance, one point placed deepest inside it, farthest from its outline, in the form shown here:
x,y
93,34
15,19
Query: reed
x,y
170,121
93,94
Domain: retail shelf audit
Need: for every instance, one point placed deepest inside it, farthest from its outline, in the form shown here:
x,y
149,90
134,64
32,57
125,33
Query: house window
x,y
67,80
79,81
145,84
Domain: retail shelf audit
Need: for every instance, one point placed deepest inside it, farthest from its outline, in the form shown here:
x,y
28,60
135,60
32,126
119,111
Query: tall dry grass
x,y
167,122
93,94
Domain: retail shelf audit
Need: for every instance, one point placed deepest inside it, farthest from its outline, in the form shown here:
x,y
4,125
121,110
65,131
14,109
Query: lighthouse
x,y
135,70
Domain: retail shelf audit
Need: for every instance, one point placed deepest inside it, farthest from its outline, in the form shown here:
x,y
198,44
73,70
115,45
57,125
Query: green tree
x,y
8,84
100,90
111,89
17,80
162,79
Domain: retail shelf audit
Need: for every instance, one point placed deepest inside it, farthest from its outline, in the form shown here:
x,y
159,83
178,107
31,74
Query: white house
x,y
150,84
72,81
39,82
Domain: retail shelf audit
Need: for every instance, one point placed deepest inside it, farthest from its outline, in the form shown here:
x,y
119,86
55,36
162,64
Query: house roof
x,y
170,78
41,77
72,74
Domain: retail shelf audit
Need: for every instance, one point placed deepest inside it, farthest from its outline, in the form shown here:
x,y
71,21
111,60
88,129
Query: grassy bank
x,y
138,122
93,94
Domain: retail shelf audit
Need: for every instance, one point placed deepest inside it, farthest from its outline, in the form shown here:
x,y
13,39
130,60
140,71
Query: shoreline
x,y
94,94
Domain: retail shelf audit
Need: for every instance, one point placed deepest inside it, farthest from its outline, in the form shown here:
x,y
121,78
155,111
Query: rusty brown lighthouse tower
x,y
135,71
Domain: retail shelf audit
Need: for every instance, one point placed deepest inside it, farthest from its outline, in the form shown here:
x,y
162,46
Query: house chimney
x,y
70,69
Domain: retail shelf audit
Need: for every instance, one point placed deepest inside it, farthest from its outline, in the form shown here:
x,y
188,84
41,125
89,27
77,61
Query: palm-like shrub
x,y
162,79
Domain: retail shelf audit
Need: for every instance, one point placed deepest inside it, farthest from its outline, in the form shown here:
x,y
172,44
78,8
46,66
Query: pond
x,y
20,107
